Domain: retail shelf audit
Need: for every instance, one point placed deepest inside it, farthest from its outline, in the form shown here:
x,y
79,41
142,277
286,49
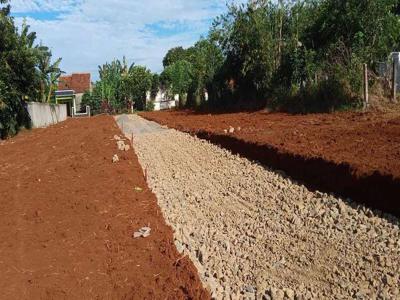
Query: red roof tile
x,y
79,82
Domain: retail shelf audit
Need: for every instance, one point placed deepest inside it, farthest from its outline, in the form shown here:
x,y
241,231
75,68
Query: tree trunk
x,y
278,62
42,92
49,95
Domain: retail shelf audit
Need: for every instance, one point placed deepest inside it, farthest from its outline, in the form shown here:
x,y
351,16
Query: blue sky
x,y
86,33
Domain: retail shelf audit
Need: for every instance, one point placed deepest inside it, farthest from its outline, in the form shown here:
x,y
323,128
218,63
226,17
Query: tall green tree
x,y
178,78
140,80
173,55
120,86
18,77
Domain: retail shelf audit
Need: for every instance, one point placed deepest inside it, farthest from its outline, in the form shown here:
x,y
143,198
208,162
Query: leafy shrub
x,y
13,113
149,105
328,95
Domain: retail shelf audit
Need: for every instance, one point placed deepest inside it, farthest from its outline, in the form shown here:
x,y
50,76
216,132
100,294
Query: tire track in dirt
x,y
254,233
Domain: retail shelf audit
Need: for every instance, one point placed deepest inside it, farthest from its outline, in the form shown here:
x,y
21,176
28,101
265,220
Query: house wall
x,y
44,114
78,101
162,102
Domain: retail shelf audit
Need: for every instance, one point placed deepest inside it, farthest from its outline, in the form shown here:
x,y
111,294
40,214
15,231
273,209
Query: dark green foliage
x,y
93,100
303,55
155,85
139,83
21,77
192,72
120,87
178,78
149,105
17,74
174,55
13,114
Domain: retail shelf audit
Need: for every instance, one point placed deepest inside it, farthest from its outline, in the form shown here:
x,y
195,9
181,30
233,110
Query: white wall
x,y
164,105
78,101
44,114
161,101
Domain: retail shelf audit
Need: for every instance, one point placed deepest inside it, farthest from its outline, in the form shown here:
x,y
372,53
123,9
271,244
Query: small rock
x,y
179,247
388,280
277,294
127,147
249,289
211,285
137,235
143,232
116,137
121,145
202,255
225,131
296,221
289,294
231,129
115,158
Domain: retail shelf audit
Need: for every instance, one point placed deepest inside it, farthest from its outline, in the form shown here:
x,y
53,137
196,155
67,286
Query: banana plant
x,y
48,73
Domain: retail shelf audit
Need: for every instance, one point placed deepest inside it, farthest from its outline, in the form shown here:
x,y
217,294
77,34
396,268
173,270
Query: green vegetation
x,y
299,56
120,87
26,73
294,55
190,72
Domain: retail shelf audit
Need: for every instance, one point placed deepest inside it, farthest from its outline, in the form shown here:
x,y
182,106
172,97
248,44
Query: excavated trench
x,y
376,190
254,233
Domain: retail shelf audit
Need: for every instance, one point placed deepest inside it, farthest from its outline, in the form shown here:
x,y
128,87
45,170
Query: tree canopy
x,y
120,86
22,73
290,53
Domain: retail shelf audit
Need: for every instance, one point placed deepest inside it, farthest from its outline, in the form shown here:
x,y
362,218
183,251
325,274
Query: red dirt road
x,y
354,154
67,216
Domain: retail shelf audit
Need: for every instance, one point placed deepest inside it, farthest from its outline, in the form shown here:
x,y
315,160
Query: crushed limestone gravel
x,y
255,234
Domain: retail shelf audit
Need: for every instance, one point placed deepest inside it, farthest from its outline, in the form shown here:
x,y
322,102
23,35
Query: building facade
x,y
71,89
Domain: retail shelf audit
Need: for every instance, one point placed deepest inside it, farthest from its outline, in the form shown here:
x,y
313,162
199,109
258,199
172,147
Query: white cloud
x,y
21,6
91,32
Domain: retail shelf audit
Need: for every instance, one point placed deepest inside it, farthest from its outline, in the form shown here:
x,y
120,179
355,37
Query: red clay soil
x,y
67,216
354,154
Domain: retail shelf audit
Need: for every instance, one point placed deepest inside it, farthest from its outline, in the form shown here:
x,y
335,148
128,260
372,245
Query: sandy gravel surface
x,y
252,233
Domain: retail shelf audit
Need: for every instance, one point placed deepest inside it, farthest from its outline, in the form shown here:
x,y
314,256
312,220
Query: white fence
x,y
44,114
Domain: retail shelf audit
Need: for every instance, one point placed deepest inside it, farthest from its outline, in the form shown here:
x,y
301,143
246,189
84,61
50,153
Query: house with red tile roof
x,y
71,89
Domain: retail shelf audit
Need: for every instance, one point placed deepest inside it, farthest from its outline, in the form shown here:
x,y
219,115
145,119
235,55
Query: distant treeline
x,y
26,73
300,56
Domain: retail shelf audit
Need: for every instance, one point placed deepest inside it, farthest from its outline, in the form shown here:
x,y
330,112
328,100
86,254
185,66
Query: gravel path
x,y
254,234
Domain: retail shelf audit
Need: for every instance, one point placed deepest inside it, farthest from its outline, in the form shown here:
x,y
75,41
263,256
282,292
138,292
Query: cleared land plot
x,y
254,233
67,216
353,154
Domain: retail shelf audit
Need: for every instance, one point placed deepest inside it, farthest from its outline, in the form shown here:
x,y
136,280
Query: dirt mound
x,y
68,216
